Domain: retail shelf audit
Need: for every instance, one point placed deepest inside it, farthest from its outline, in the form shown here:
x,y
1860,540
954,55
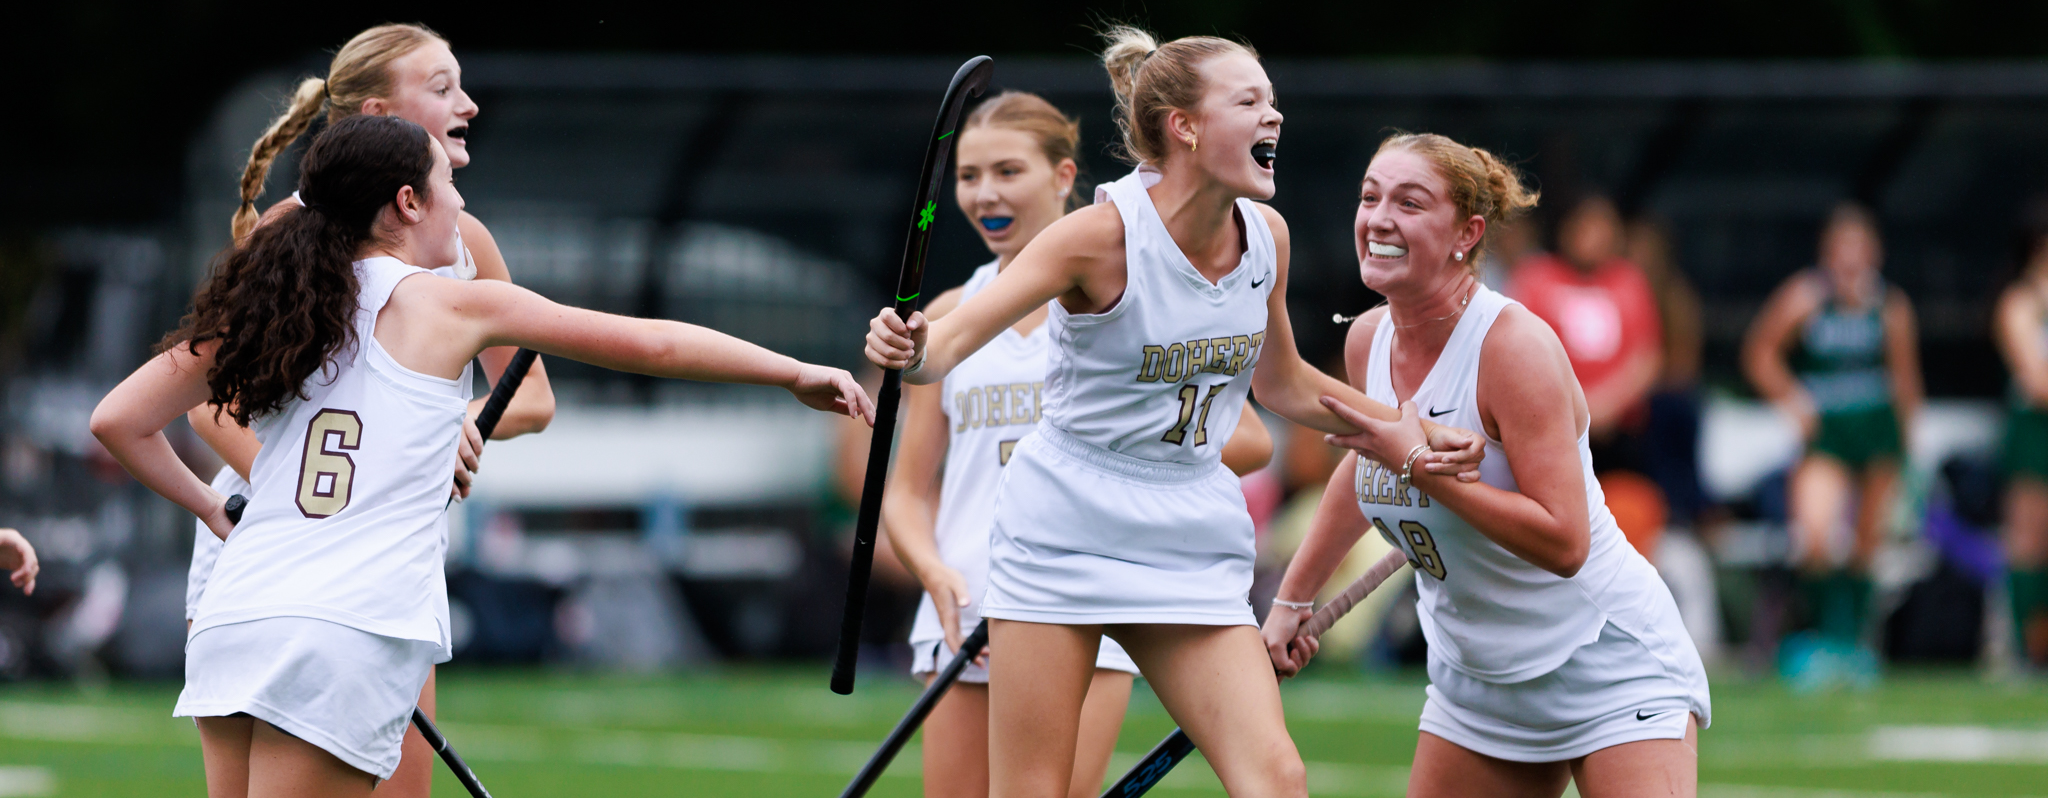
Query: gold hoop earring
x,y
1194,143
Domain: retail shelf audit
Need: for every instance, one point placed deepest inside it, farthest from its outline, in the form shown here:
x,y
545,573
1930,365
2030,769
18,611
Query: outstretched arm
x,y
435,326
1078,260
130,422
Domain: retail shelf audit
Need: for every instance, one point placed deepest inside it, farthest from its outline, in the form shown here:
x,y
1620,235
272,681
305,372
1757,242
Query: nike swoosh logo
x,y
1259,282
1641,716
1433,412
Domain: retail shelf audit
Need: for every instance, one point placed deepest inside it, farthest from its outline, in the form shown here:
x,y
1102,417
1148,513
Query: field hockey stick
x,y
1176,747
968,82
486,421
969,649
440,745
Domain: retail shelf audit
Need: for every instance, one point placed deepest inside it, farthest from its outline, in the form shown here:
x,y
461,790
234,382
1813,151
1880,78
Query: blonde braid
x,y
306,104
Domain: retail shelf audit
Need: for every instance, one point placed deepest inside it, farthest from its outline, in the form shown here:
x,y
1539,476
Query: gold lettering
x,y
1241,347
998,405
1258,340
974,408
960,410
1176,358
1154,360
1196,362
1019,413
1219,355
1037,402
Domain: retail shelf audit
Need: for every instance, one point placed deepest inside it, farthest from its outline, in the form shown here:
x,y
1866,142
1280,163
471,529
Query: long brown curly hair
x,y
282,304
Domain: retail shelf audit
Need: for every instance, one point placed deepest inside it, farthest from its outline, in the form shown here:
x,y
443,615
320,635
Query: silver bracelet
x,y
1408,468
1294,605
914,367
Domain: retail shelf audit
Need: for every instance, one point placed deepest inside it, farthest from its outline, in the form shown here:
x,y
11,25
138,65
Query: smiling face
x,y
426,89
1007,188
1235,128
1408,227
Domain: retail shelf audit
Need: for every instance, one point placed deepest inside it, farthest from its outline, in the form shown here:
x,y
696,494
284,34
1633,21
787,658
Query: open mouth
x,y
1379,250
1265,152
459,132
995,224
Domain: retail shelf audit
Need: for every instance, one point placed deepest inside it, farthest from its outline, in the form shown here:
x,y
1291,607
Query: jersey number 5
x,y
326,472
1179,432
1420,544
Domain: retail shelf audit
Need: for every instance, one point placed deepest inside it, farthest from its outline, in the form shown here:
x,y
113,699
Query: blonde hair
x,y
1481,183
1152,80
361,70
1058,136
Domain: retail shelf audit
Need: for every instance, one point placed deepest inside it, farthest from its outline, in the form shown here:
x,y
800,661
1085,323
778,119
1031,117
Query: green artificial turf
x,y
778,732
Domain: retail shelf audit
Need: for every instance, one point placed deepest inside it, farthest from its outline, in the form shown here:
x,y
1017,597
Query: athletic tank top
x,y
1486,612
1163,374
992,399
1840,357
346,521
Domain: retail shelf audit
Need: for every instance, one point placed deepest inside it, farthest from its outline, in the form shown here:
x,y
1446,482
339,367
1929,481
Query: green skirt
x,y
1859,437
2026,443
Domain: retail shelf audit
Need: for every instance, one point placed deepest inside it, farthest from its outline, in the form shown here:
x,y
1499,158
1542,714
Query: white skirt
x,y
1618,689
931,656
345,690
1085,536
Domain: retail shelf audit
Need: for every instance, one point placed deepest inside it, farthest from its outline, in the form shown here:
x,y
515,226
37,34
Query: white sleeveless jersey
x,y
1163,374
1486,612
992,400
346,522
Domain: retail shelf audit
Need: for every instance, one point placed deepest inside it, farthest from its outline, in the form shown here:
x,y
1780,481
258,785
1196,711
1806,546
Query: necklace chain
x,y
1453,314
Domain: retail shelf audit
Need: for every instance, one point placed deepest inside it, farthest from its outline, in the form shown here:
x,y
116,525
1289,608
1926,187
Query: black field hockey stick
x,y
968,82
440,745
969,649
1176,747
486,422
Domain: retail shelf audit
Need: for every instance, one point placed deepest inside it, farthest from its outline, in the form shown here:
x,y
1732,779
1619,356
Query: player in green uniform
x,y
1835,348
2021,330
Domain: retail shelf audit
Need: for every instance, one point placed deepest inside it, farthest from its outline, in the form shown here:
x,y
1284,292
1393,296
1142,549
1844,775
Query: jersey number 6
x,y
1179,432
326,472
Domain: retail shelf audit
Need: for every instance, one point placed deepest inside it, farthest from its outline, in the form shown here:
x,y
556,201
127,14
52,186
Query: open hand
x,y
832,390
895,343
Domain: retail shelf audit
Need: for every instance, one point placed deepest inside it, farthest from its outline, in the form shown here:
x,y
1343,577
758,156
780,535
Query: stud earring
x,y
1458,256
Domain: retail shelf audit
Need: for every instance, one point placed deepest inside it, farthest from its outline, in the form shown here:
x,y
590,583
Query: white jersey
x,y
1118,508
1163,374
1487,613
205,545
346,523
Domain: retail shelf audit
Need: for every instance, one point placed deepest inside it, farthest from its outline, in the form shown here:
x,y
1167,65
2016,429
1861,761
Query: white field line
x,y
26,780
1958,744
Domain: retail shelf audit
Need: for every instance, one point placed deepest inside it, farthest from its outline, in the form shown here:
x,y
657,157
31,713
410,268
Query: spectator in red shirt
x,y
1604,310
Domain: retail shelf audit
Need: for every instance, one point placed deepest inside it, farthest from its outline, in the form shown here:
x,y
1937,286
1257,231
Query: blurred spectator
x,y
1835,348
2021,331
1671,442
1514,241
1606,315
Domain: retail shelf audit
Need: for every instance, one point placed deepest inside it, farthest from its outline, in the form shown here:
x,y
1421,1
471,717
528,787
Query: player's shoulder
x,y
1274,221
474,233
1519,336
1095,224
